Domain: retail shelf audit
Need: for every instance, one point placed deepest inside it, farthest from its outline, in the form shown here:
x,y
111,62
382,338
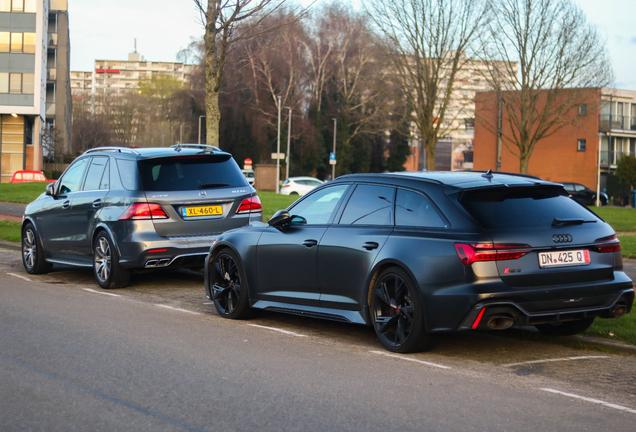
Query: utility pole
x,y
288,143
200,117
278,149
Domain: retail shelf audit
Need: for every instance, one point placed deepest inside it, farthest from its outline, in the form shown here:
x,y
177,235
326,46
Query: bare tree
x,y
560,56
226,22
53,144
426,43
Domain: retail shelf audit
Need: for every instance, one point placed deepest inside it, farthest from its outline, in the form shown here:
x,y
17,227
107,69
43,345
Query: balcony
x,y
51,39
618,123
51,74
612,157
50,108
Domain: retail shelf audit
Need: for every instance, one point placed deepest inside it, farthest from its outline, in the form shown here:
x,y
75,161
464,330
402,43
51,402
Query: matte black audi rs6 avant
x,y
415,254
118,209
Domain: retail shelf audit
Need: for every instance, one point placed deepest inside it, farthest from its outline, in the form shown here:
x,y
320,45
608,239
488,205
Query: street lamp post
x,y
288,144
200,117
278,149
333,167
181,133
598,171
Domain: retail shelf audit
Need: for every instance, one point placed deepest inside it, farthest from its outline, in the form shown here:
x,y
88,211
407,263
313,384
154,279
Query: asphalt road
x,y
74,357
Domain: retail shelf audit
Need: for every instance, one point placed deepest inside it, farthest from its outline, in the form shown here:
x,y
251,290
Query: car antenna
x,y
488,174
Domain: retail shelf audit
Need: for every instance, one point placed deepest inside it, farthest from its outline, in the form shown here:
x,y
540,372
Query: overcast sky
x,y
106,30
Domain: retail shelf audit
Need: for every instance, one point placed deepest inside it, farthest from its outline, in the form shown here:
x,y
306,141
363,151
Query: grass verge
x,y
22,193
622,329
10,230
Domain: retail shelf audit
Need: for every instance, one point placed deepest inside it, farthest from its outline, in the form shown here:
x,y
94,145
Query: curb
x,y
10,245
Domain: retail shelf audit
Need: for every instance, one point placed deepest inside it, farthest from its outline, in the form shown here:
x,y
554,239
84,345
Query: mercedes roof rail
x,y
118,149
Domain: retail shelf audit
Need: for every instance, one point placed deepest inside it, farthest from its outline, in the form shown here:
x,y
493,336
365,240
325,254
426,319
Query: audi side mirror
x,y
50,188
279,218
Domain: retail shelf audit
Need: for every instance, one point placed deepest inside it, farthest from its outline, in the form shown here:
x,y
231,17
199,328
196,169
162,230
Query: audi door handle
x,y
370,245
66,204
97,203
310,243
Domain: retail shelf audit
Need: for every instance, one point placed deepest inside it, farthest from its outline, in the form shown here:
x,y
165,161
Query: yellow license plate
x,y
202,211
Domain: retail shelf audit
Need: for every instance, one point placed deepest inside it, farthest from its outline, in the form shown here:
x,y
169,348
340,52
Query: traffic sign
x,y
332,158
278,156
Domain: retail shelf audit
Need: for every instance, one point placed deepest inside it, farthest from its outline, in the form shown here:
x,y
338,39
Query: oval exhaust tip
x,y
500,322
619,311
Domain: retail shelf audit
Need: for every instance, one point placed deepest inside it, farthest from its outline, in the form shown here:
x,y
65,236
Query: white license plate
x,y
564,258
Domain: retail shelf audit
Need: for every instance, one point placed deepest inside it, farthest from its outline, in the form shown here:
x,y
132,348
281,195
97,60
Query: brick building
x,y
572,153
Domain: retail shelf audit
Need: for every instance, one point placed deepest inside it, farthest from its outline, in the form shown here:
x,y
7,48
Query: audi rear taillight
x,y
144,211
250,205
607,244
488,252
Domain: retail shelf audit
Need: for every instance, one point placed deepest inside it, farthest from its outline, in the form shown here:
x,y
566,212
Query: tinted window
x,y
190,173
317,208
72,179
522,207
105,183
413,209
95,173
369,205
128,174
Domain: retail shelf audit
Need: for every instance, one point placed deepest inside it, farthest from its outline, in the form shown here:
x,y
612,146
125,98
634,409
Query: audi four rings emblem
x,y
562,238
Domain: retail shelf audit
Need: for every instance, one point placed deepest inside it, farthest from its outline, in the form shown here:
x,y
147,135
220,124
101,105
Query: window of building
x,y
30,6
17,6
29,43
469,123
580,145
5,5
582,109
4,82
5,37
15,83
28,83
16,42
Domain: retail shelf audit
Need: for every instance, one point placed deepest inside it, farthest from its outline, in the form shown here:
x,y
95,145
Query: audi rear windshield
x,y
190,173
524,207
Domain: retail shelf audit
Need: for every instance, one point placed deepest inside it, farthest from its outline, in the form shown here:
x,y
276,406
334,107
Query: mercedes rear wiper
x,y
212,185
565,222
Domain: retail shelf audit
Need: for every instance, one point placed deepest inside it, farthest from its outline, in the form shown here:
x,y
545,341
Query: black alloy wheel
x,y
108,272
396,313
32,252
567,328
229,286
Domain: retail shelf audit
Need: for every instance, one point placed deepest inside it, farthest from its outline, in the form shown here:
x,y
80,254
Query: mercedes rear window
x,y
533,207
190,173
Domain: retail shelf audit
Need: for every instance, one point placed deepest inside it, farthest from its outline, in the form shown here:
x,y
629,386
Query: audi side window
x,y
105,183
72,179
413,209
369,205
317,208
95,173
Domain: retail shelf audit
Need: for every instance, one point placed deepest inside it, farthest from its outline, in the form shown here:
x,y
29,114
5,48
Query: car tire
x,y
32,252
228,285
396,313
108,273
567,328
294,193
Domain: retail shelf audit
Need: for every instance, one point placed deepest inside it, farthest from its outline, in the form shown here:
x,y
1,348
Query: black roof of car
x,y
153,152
459,179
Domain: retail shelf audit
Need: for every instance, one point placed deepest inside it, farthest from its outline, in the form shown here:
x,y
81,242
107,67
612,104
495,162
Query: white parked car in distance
x,y
249,175
299,185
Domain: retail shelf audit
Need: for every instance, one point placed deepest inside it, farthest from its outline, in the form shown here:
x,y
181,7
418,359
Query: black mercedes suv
x,y
117,209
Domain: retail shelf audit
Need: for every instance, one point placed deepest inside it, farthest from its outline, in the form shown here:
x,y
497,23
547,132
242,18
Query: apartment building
x,y
604,129
455,150
34,80
115,77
